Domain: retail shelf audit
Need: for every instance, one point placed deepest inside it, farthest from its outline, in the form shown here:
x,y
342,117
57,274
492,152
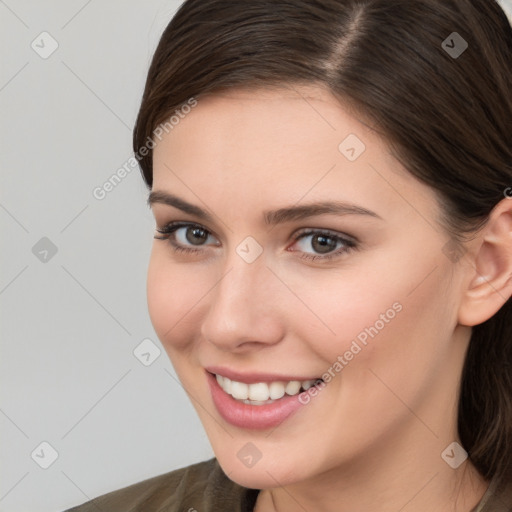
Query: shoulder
x,y
200,487
498,497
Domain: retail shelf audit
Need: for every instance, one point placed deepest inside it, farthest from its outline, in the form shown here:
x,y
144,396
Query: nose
x,y
243,312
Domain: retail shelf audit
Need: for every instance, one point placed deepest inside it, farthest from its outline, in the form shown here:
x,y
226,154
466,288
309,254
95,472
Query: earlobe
x,y
490,285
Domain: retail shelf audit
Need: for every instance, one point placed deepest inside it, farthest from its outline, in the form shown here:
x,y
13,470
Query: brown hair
x,y
446,117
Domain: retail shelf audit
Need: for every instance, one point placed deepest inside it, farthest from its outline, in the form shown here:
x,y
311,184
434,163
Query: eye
x,y
313,244
323,244
183,236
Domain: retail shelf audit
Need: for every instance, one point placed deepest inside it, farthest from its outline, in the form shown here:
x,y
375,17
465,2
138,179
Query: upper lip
x,y
253,377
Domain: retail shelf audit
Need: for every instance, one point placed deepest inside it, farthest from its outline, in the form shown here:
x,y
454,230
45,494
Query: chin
x,y
265,474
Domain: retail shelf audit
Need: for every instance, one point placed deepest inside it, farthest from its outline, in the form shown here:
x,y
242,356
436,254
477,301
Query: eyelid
x,y
350,242
173,226
325,231
166,229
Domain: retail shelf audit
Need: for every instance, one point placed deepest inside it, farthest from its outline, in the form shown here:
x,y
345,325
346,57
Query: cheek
x,y
174,292
350,306
396,321
404,361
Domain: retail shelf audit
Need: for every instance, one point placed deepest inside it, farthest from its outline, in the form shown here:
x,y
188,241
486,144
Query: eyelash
x,y
349,245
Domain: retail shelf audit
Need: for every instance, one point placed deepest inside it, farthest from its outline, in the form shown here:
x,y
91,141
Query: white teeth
x,y
292,388
226,385
239,390
255,402
276,390
261,393
307,384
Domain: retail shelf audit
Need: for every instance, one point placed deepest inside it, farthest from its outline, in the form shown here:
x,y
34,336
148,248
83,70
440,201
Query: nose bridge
x,y
242,288
240,308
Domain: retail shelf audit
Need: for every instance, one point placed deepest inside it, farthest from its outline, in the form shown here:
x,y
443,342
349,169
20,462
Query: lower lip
x,y
252,416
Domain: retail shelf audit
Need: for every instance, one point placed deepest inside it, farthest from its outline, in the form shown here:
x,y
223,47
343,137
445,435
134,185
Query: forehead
x,y
281,145
262,130
261,113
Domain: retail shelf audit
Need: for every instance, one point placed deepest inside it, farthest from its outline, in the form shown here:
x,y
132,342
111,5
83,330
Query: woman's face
x,y
316,255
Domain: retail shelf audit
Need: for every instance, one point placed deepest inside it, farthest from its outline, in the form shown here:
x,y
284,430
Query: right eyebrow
x,y
159,196
271,217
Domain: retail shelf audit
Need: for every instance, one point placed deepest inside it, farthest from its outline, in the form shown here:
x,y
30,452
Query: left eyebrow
x,y
271,217
310,210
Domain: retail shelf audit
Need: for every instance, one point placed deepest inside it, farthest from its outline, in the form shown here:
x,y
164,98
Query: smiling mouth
x,y
263,393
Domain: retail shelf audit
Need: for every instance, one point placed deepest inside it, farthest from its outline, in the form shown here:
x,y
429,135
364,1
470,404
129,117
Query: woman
x,y
332,266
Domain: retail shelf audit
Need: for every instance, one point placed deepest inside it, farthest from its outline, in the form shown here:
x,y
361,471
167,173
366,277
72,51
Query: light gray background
x,y
69,325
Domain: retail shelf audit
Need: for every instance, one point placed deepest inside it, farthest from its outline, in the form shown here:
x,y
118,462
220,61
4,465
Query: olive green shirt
x,y
204,487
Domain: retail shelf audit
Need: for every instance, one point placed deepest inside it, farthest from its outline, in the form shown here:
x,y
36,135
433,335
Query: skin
x,y
373,438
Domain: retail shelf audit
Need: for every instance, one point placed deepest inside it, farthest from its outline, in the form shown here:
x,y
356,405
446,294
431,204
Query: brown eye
x,y
183,236
323,243
196,236
318,245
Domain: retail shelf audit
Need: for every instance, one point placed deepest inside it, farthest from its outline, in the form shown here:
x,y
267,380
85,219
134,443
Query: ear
x,y
490,283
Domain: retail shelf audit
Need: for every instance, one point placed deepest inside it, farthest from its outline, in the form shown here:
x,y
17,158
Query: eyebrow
x,y
272,217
